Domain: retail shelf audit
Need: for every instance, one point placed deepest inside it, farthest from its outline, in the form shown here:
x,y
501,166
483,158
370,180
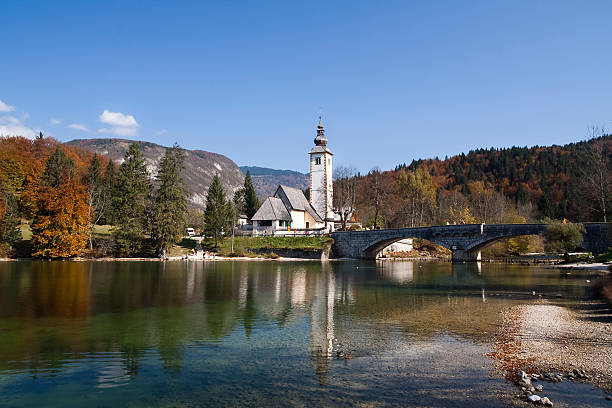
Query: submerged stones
x,y
528,389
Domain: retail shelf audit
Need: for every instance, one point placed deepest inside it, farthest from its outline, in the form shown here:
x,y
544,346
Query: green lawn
x,y
102,229
26,231
245,245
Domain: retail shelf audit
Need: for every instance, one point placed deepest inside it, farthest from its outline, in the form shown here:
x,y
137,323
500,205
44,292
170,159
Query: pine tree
x,y
170,201
59,229
251,201
108,187
217,214
130,202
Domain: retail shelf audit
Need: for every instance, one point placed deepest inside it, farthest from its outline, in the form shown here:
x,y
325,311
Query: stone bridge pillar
x,y
465,255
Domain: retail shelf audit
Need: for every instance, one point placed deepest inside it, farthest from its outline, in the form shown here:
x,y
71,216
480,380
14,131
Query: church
x,y
289,213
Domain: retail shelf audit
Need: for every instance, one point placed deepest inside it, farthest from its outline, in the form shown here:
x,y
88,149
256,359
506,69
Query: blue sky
x,y
393,80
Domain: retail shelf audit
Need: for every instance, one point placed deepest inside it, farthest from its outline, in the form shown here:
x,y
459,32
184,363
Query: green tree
x,y
217,214
170,201
251,202
130,202
59,169
562,238
9,217
108,187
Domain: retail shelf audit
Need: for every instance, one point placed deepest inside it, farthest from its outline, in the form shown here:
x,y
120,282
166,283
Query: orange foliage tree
x,y
59,229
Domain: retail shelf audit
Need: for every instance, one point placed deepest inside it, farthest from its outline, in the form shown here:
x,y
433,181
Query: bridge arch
x,y
377,246
465,241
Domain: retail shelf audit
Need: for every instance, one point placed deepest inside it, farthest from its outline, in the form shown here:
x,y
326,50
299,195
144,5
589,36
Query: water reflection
x,y
115,318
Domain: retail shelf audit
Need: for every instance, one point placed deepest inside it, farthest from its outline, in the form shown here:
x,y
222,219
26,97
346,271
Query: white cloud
x,y
121,124
55,121
6,108
78,126
118,119
11,126
161,132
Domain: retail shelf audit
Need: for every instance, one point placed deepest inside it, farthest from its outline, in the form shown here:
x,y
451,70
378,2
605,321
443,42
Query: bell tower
x,y
321,178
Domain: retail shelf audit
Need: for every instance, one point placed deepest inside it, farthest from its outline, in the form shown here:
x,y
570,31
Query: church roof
x,y
295,200
320,149
272,209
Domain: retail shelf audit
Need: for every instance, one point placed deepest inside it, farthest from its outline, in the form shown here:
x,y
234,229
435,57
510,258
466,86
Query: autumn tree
x,y
418,192
597,174
345,190
130,201
59,228
170,200
217,214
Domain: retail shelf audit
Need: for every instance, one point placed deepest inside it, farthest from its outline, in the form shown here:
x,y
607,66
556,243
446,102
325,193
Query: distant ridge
x,y
267,180
200,165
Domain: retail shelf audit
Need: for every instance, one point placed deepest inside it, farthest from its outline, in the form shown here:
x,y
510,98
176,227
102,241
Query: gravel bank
x,y
556,338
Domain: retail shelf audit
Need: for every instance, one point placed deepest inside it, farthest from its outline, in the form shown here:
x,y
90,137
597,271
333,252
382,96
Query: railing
x,y
284,232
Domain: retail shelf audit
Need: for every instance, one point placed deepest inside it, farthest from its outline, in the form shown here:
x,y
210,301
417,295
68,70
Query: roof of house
x,y
272,209
297,201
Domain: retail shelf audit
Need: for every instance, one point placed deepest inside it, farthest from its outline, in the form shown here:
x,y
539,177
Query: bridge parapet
x,y
465,241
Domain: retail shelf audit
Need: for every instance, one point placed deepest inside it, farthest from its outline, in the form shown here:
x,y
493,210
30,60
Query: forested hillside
x,y
487,185
200,166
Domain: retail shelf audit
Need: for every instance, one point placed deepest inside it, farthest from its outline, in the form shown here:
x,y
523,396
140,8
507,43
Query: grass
x,y
185,247
101,230
605,257
26,231
244,246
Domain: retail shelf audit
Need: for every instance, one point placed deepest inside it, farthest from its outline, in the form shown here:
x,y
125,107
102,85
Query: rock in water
x,y
546,402
534,398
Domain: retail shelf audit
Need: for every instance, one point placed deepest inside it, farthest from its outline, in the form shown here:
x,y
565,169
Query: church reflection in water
x,y
72,310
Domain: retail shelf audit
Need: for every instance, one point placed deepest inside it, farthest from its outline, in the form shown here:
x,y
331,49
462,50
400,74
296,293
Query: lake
x,y
260,333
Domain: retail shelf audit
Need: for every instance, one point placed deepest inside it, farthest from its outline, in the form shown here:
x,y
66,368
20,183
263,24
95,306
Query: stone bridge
x,y
465,241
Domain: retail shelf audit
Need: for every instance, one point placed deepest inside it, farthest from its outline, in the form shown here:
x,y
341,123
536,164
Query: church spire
x,y
320,140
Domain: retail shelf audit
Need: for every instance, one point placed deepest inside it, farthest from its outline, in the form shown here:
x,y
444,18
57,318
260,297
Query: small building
x,y
242,219
288,212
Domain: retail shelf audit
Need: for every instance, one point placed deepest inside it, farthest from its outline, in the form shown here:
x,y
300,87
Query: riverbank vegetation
x,y
65,193
486,185
514,185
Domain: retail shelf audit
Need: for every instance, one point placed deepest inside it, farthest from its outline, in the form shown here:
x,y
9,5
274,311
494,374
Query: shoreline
x,y
550,343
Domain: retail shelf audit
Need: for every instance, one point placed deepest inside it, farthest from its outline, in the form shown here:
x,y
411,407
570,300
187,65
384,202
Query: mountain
x,y
200,165
267,180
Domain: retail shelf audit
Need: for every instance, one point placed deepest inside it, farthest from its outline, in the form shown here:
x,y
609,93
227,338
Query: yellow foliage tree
x,y
60,227
461,215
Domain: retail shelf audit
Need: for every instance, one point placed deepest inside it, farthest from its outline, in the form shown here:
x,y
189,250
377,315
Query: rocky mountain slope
x,y
200,165
267,180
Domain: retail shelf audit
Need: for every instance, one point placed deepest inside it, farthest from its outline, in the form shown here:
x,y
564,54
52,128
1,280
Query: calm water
x,y
258,333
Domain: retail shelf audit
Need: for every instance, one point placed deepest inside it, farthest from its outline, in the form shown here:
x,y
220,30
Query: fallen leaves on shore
x,y
508,347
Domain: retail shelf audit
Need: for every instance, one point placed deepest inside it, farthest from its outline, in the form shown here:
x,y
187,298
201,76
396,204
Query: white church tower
x,y
321,180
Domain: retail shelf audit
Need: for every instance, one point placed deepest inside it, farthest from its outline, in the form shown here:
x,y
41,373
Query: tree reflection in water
x,y
54,315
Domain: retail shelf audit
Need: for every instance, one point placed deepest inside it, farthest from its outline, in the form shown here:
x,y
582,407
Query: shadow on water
x,y
254,332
